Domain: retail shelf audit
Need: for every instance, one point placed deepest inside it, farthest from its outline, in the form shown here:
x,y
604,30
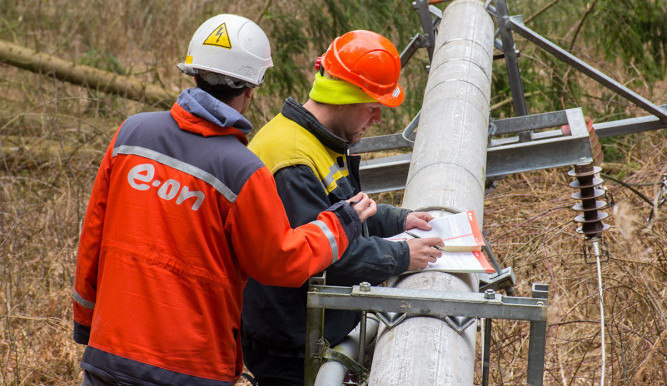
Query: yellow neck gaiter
x,y
337,92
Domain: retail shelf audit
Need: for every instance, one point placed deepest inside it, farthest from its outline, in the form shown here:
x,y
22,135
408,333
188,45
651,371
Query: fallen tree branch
x,y
86,76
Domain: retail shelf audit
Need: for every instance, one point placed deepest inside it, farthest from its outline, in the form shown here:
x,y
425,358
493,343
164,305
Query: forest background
x,y
53,135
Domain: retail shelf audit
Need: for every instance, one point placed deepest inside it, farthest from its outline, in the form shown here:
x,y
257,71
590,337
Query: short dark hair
x,y
219,91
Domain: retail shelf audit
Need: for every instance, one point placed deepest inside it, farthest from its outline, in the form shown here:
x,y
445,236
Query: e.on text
x,y
141,176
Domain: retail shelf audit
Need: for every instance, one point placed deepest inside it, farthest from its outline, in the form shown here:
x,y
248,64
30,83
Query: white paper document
x,y
458,231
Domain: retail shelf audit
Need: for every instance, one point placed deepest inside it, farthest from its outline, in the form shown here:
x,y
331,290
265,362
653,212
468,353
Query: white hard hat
x,y
230,45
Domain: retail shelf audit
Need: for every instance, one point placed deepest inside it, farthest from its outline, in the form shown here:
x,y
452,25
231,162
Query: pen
x,y
450,248
419,237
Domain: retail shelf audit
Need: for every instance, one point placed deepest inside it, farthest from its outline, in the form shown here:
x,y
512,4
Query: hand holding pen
x,y
364,205
423,250
449,247
438,247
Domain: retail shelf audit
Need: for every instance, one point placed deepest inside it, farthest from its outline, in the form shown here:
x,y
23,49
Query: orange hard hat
x,y
368,60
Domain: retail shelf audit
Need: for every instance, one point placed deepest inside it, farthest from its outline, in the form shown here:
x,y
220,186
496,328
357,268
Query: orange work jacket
x,y
180,215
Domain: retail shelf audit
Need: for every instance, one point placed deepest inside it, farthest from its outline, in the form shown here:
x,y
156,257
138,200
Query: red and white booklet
x,y
463,243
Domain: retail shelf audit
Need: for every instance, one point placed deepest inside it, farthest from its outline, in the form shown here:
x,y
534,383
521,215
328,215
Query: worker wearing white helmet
x,y
180,215
241,64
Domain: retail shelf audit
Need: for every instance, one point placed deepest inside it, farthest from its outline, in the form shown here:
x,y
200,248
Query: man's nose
x,y
377,116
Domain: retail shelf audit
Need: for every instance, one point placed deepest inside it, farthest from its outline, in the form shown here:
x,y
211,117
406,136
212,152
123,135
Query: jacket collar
x,y
199,112
188,122
294,111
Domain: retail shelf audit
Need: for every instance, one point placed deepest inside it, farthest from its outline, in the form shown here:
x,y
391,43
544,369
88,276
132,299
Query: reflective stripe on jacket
x,y
312,169
180,215
291,145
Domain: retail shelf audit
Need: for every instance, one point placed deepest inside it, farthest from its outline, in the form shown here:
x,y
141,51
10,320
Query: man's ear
x,y
248,92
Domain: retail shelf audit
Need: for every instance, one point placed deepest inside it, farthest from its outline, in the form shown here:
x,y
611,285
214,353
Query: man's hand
x,y
418,220
422,252
364,205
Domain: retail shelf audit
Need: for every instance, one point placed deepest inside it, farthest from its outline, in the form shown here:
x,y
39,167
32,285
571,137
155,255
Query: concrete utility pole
x,y
446,176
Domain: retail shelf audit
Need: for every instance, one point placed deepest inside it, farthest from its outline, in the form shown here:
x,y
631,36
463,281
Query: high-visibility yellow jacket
x,y
313,168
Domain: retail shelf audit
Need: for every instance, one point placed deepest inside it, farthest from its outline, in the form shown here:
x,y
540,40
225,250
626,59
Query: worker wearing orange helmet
x,y
307,148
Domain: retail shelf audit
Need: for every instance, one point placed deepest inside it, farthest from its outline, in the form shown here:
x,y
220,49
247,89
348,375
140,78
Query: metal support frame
x,y
418,41
511,54
511,62
630,125
505,156
429,25
429,31
438,304
516,24
538,339
486,352
507,24
390,173
517,154
503,279
527,151
315,345
548,149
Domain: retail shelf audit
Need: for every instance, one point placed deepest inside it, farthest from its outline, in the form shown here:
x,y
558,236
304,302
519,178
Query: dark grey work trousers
x,y
90,379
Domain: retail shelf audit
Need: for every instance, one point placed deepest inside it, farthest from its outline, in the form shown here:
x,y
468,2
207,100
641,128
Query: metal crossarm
x,y
630,125
504,156
516,24
511,61
428,303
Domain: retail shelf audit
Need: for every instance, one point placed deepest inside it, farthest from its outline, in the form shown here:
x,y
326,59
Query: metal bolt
x,y
489,294
365,286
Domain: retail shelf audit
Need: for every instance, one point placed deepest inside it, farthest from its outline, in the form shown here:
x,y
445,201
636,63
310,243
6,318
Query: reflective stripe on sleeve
x,y
331,177
330,236
79,299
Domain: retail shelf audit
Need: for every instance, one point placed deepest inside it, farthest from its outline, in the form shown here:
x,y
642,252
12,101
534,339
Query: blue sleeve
x,y
81,333
371,259
388,221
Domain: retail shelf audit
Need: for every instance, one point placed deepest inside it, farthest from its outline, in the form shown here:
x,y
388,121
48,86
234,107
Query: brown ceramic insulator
x,y
592,194
589,205
581,170
586,181
589,217
592,229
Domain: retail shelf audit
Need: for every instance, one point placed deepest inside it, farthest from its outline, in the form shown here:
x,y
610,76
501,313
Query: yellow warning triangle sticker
x,y
219,37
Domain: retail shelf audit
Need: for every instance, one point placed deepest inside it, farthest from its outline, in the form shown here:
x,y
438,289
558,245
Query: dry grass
x,y
53,135
530,225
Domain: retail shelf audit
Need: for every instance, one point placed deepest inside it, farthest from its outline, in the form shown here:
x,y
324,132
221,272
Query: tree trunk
x,y
86,76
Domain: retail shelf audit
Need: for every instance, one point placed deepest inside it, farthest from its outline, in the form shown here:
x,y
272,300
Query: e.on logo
x,y
141,176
